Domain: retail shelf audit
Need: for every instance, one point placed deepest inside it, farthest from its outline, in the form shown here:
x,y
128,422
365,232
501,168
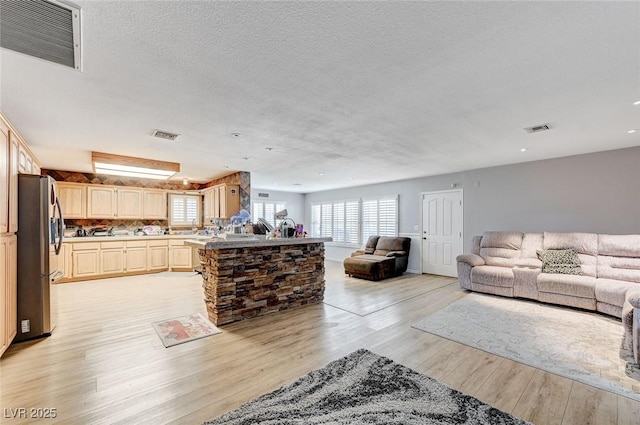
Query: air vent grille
x,y
165,135
538,128
48,30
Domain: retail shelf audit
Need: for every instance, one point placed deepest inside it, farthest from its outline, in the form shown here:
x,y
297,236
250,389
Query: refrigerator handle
x,y
60,227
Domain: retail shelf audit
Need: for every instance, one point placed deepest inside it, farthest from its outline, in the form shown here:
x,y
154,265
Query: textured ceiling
x,y
362,92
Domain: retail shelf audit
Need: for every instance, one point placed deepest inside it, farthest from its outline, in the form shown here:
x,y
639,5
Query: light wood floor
x,y
104,363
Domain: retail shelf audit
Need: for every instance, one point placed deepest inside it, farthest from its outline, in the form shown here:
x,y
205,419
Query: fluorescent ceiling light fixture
x,y
118,165
636,103
631,131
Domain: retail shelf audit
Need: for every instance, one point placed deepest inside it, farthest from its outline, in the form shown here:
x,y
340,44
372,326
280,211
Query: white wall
x,y
595,192
293,201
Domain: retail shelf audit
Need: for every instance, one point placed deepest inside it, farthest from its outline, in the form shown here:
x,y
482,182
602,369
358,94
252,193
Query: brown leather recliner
x,y
383,257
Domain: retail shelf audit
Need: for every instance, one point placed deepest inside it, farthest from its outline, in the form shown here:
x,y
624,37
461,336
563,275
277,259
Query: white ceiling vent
x,y
46,29
538,128
165,134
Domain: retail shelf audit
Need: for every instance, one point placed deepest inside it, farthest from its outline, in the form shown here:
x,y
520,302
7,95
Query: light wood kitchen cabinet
x,y
154,204
180,255
14,149
129,204
101,201
27,163
222,201
73,199
8,289
112,257
60,263
136,256
158,255
85,259
4,178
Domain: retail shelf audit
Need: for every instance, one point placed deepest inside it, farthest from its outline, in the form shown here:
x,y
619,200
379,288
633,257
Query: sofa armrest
x,y
633,296
358,252
396,254
470,259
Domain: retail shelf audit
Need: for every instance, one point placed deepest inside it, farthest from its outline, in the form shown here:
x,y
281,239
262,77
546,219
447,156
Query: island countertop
x,y
251,243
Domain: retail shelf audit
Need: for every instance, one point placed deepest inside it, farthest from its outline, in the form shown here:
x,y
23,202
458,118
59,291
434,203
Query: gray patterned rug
x,y
576,344
364,388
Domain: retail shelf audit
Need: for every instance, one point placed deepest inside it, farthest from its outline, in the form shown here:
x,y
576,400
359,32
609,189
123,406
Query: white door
x,y
441,232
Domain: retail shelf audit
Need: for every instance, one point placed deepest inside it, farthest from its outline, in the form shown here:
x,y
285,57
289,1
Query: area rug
x,y
580,345
364,388
184,329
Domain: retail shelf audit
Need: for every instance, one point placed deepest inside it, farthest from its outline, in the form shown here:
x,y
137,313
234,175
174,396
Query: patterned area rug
x,y
579,345
184,329
364,388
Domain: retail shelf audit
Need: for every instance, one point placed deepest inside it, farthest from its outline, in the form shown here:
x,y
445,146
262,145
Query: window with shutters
x,y
352,222
185,210
267,210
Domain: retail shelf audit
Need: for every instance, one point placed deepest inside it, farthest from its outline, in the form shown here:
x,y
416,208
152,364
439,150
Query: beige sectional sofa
x,y
607,276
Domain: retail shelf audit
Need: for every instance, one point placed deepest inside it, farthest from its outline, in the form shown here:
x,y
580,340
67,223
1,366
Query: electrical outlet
x,y
26,326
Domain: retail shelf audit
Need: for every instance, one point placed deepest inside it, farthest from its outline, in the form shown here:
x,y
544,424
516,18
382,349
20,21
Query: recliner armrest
x,y
470,259
396,254
358,252
633,296
529,262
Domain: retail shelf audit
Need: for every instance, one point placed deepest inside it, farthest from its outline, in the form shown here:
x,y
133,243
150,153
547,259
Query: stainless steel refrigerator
x,y
40,232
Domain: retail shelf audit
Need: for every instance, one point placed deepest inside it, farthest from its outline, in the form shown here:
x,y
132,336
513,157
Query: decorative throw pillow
x,y
560,261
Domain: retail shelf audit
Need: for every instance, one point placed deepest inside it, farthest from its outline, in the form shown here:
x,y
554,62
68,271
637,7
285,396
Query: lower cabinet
x,y
158,255
88,260
8,291
180,255
136,256
85,258
112,257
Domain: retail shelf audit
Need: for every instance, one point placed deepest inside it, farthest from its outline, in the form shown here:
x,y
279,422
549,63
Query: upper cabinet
x,y
80,200
101,201
4,177
14,149
129,203
73,199
154,204
27,163
221,201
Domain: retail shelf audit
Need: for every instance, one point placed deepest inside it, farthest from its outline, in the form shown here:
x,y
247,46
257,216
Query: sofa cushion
x,y
531,244
492,275
562,261
619,245
501,257
619,268
371,244
586,244
389,243
508,240
613,291
577,286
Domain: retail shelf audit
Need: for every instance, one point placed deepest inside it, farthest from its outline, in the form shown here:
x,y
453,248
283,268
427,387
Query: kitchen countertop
x,y
248,243
130,238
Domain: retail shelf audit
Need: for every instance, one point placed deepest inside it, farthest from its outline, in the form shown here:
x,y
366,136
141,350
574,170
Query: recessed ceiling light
x,y
246,158
636,103
321,173
236,134
269,149
523,150
632,131
225,166
297,184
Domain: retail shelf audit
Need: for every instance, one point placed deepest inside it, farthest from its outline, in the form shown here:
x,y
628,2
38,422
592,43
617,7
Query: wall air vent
x,y
46,29
165,135
538,128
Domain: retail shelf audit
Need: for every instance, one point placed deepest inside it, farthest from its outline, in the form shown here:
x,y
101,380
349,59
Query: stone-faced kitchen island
x,y
255,277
